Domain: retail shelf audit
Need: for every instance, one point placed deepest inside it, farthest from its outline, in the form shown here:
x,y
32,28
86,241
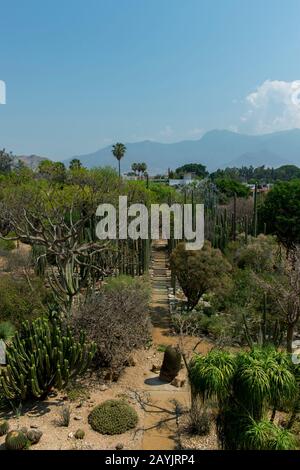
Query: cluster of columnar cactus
x,y
43,355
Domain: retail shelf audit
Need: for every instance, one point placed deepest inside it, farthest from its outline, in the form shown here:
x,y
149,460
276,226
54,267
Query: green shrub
x,y
16,440
19,302
7,245
7,331
113,417
42,356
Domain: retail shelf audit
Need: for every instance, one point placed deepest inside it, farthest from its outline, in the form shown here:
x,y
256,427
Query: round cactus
x,y
113,417
34,435
16,440
79,434
4,427
171,364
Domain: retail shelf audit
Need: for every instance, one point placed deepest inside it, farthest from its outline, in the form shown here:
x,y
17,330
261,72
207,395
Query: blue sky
x,y
82,74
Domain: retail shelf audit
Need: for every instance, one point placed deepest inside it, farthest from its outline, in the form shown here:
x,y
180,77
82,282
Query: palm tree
x,y
143,168
75,164
134,167
118,151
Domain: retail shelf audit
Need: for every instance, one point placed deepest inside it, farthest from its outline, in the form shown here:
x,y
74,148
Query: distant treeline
x,y
245,174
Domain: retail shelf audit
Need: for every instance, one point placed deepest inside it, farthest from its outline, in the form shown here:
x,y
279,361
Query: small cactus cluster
x,y
171,364
42,356
4,427
113,417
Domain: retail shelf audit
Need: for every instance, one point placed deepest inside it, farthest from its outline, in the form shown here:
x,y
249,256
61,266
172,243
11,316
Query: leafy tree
x,y
6,162
287,173
281,213
197,168
230,187
198,271
118,151
52,171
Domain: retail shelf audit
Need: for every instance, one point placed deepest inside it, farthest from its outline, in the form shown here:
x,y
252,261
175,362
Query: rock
x,y
24,430
71,435
79,405
177,382
34,435
34,426
77,418
119,446
103,387
155,368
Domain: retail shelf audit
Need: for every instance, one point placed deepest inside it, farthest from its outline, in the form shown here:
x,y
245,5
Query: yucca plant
x,y
246,386
211,375
265,435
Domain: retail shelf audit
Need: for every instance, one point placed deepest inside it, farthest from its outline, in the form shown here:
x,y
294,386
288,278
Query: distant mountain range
x,y
216,149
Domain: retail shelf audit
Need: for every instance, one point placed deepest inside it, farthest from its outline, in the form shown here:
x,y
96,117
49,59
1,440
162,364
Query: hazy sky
x,y
81,74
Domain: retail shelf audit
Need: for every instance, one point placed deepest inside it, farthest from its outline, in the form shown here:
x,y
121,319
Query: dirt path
x,y
163,400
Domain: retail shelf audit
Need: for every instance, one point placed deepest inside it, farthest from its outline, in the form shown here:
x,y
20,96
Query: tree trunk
x,y
119,162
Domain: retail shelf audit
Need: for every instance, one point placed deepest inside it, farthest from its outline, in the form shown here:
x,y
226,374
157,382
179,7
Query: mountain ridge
x,y
216,149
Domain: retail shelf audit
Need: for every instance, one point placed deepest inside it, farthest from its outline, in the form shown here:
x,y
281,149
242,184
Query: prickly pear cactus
x,y
171,364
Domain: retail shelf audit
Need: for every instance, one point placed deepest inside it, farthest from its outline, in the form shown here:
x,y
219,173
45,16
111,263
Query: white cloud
x,y
196,132
167,131
273,106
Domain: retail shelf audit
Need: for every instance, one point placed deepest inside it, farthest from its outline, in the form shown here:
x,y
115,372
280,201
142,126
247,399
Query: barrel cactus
x,y
16,440
4,427
113,417
171,364
43,355
79,434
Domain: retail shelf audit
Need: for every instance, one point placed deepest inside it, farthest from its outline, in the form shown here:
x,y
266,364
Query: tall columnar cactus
x,y
255,212
42,356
